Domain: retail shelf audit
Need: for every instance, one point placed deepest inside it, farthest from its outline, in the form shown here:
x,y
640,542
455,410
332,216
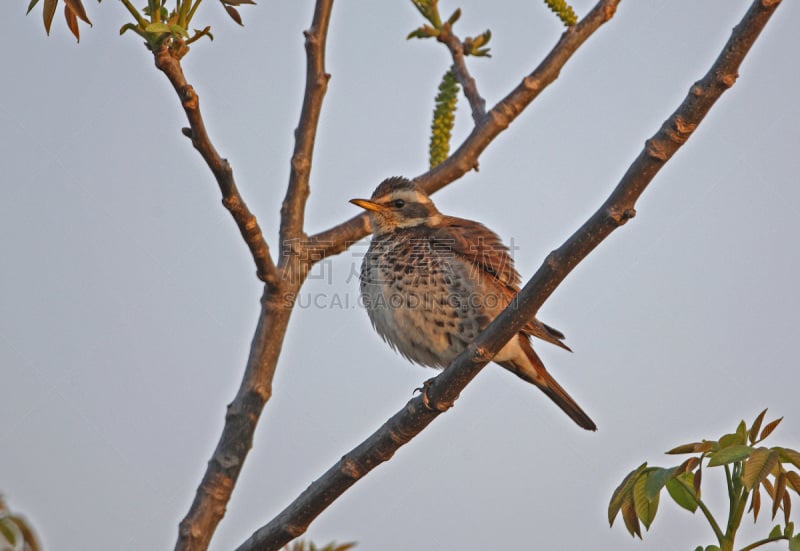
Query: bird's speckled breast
x,y
421,299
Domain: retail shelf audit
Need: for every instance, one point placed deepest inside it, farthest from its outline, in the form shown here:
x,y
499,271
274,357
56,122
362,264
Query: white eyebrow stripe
x,y
407,195
421,198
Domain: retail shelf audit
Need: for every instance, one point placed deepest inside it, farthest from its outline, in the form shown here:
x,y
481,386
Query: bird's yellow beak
x,y
367,204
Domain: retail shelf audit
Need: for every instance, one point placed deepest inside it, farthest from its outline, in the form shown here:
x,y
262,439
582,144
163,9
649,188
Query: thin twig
x,y
765,541
465,79
294,204
465,158
704,509
441,392
135,13
169,63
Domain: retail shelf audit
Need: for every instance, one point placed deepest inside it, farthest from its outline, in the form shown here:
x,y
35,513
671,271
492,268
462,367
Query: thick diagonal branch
x,y
465,158
294,204
442,392
169,63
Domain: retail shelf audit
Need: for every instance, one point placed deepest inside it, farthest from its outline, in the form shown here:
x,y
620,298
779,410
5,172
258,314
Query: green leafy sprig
x,y
749,469
154,22
429,9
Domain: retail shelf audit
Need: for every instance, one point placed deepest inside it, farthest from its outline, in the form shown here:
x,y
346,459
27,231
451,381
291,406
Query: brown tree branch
x,y
283,282
465,158
294,204
225,465
441,392
468,84
168,61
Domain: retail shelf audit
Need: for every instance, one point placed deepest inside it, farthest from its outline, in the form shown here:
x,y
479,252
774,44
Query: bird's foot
x,y
437,406
423,390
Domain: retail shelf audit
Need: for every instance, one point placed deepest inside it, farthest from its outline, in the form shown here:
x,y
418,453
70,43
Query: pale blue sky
x,y
127,299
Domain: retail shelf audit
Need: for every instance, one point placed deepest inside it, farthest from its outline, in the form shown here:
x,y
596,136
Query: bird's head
x,y
398,203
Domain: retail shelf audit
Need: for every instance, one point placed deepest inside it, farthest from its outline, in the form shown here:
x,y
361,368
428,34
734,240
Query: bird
x,y
431,283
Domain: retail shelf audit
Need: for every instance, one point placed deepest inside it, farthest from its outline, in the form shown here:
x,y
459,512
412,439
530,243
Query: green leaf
x,y
794,481
694,447
25,530
788,532
31,5
733,439
789,456
8,534
776,532
629,515
730,454
429,10
157,28
177,29
475,46
794,543
758,466
683,448
624,488
756,427
455,17
741,431
423,32
646,508
682,495
656,480
127,27
712,548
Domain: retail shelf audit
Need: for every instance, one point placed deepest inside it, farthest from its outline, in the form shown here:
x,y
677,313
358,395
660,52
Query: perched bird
x,y
431,283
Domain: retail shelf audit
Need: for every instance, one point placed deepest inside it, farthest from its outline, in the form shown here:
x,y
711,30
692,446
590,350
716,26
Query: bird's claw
x,y
423,390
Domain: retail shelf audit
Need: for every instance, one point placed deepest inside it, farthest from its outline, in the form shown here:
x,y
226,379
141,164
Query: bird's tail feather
x,y
547,333
536,374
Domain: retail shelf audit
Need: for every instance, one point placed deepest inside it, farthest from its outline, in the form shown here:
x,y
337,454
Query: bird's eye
x,y
399,203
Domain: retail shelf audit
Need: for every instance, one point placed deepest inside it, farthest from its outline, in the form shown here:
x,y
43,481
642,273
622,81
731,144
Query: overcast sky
x,y
128,300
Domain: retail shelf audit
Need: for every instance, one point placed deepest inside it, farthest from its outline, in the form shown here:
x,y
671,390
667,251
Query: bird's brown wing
x,y
483,250
480,247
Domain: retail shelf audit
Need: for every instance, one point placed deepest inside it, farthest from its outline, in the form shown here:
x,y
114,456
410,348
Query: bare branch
x,y
294,204
169,63
441,392
468,84
465,158
223,469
